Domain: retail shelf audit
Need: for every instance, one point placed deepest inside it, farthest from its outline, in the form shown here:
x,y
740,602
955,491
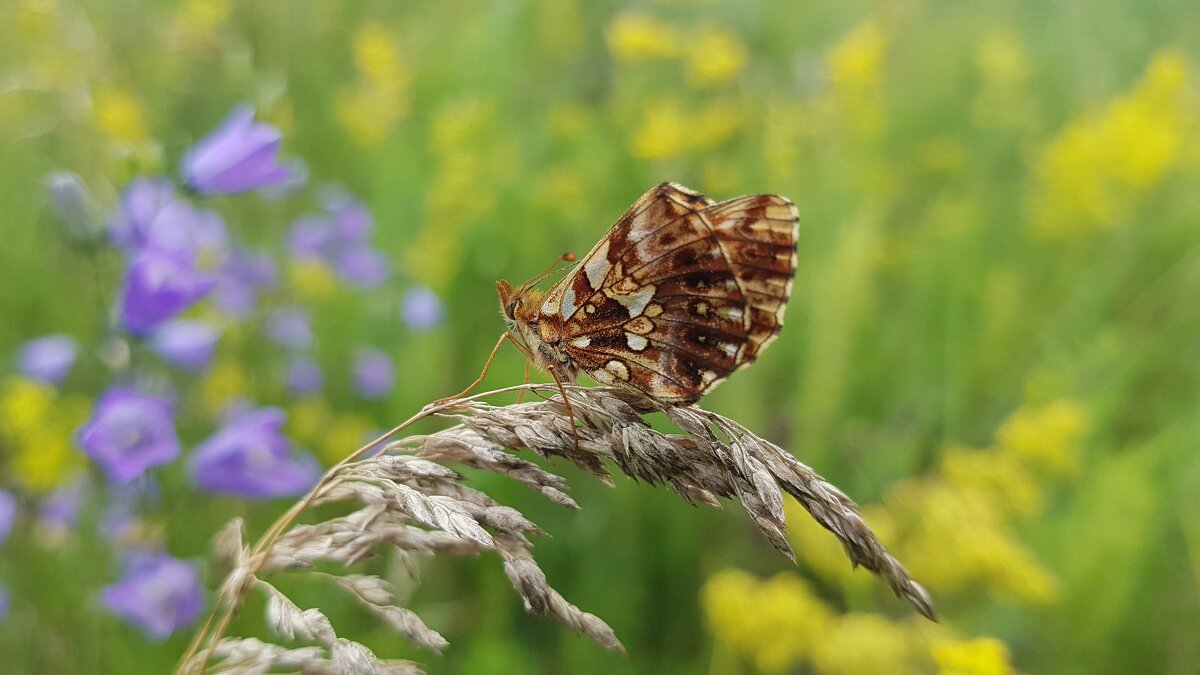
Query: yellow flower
x,y
307,420
1091,175
222,384
713,125
864,644
856,62
980,656
1000,58
856,69
40,427
369,109
24,406
714,56
119,115
661,134
997,476
345,434
312,278
198,22
1045,438
634,37
776,622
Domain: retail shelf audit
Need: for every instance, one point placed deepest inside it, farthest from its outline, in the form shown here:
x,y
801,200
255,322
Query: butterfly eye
x,y
510,310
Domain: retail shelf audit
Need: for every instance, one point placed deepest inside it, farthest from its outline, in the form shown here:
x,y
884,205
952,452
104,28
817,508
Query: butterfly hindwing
x,y
680,293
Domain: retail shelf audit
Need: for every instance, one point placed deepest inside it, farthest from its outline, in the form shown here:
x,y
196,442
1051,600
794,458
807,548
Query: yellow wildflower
x,y
40,427
714,56
776,622
1091,175
661,134
713,125
1000,58
345,434
997,476
222,384
864,644
981,656
370,108
856,68
24,406
856,62
119,115
1045,438
307,420
313,279
634,37
198,22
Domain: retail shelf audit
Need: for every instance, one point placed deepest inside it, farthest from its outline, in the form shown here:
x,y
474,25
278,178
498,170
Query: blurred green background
x,y
993,343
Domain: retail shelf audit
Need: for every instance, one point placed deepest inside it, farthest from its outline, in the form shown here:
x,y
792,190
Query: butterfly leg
x,y
521,395
566,402
491,357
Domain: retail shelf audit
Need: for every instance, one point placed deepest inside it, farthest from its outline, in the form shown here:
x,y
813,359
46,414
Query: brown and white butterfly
x,y
680,293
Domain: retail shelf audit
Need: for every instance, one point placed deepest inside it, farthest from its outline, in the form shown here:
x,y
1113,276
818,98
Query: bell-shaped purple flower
x,y
187,344
238,156
141,203
159,285
48,359
8,514
241,277
157,593
340,237
304,376
421,309
59,510
362,266
252,458
374,373
290,328
128,433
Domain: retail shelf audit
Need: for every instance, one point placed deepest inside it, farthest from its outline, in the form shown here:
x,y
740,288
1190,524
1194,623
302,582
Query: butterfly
x,y
680,293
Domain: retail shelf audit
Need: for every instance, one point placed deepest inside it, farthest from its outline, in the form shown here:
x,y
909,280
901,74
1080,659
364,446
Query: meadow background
x,y
993,343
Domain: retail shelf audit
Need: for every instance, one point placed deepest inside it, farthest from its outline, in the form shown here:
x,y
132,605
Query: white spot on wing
x,y
636,302
617,369
636,342
582,342
568,303
597,265
730,348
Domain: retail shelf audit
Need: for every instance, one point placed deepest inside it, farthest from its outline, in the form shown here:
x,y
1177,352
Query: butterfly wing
x,y
680,293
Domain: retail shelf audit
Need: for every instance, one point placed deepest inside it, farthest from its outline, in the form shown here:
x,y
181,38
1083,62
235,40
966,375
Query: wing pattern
x,y
680,293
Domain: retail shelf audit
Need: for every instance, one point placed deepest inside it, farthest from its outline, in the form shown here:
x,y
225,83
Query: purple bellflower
x,y
290,328
159,285
60,509
304,376
237,156
421,309
242,275
252,458
157,593
48,359
186,344
341,238
128,433
374,374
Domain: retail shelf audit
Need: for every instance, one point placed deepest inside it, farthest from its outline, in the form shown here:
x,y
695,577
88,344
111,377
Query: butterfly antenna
x,y
566,257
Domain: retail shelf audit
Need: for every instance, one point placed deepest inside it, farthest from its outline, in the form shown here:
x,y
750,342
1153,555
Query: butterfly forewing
x,y
680,292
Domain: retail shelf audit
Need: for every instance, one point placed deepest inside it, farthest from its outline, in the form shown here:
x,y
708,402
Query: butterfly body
x,y
678,294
